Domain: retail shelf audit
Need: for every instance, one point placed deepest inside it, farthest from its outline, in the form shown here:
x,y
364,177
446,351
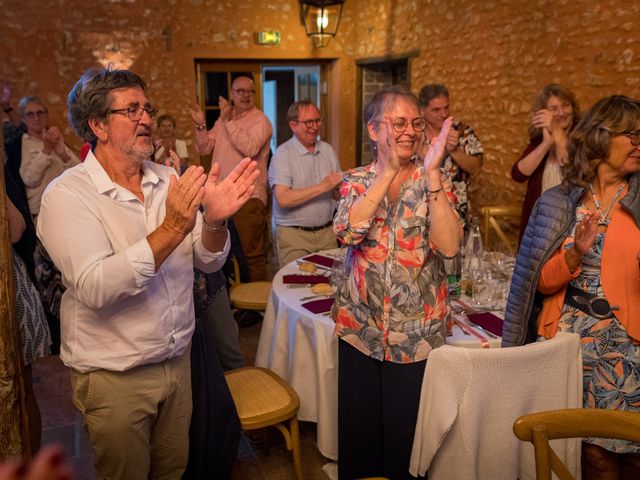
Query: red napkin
x,y
488,321
320,260
319,306
312,279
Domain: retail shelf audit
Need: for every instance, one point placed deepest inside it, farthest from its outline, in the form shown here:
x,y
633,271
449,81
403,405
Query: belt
x,y
311,229
594,305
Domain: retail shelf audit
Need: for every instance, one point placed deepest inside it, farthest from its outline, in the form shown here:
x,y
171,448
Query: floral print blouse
x,y
392,304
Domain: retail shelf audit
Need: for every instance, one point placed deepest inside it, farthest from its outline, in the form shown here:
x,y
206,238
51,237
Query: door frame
x,y
255,66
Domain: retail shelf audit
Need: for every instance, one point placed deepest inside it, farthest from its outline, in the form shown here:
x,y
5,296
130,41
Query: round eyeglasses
x,y
400,124
311,122
36,114
634,137
242,92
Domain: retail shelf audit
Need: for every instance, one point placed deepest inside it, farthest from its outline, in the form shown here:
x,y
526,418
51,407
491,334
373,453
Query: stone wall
x,y
496,55
45,46
493,54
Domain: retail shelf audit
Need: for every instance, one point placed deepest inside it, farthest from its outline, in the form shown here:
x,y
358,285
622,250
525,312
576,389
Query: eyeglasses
x,y
311,122
135,113
634,137
242,92
401,124
36,114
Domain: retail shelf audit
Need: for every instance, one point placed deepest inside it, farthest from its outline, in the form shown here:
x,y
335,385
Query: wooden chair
x,y
491,216
539,428
247,296
264,399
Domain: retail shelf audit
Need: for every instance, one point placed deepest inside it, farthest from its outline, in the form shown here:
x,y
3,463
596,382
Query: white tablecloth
x,y
300,347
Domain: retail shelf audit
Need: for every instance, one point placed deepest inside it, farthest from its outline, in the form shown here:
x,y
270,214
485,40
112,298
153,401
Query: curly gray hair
x,y
90,97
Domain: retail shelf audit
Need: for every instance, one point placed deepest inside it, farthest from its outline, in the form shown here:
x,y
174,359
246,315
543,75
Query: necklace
x,y
604,216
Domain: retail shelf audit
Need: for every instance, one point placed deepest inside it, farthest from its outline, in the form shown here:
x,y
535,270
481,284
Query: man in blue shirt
x,y
304,175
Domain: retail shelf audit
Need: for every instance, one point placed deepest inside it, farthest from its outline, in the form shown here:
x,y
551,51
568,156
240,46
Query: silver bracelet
x,y
214,228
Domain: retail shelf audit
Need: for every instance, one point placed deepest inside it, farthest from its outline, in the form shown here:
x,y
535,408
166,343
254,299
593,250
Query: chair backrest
x,y
539,428
492,215
247,295
471,397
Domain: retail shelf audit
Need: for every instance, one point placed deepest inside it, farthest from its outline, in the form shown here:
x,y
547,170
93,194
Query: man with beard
x,y
126,233
241,131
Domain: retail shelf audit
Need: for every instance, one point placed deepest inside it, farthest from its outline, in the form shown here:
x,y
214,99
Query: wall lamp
x,y
321,19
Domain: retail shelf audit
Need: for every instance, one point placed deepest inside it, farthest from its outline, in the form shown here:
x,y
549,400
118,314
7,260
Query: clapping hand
x,y
197,115
435,154
332,180
546,121
225,109
54,141
172,160
452,140
393,159
223,199
586,230
183,200
423,145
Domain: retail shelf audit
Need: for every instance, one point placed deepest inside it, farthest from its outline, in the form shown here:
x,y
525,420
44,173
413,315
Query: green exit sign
x,y
269,38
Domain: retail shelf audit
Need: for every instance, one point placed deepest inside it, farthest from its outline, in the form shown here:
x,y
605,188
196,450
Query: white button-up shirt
x,y
118,312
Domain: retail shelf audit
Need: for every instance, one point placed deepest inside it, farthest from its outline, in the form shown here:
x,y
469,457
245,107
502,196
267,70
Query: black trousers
x,y
377,413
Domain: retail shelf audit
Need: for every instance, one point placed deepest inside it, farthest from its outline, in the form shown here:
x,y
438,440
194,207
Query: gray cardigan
x,y
550,223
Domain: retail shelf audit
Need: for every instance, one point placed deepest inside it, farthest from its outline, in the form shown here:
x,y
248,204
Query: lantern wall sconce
x,y
321,19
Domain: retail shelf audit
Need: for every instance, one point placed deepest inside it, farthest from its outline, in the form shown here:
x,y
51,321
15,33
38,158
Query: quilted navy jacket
x,y
550,223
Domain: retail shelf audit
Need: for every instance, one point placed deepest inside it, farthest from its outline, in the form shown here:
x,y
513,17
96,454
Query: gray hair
x,y
24,101
294,110
90,98
375,107
431,91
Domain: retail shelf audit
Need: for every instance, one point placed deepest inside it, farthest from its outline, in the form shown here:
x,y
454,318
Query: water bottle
x,y
472,256
453,269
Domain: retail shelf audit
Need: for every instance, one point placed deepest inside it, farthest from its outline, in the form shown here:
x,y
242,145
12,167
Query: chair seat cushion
x,y
250,296
262,398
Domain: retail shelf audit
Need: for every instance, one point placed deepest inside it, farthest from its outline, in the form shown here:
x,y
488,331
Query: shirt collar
x,y
302,150
101,179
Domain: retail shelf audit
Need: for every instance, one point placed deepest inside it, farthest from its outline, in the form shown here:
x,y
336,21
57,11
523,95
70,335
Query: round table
x,y
300,347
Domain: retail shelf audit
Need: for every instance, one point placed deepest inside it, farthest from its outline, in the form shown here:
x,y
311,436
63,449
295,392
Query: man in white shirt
x,y
126,233
304,175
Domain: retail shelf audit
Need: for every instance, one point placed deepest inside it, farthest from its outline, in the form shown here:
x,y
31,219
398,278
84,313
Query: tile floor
x,y
62,423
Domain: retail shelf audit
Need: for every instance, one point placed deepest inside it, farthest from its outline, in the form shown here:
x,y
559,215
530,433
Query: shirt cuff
x,y
212,261
143,264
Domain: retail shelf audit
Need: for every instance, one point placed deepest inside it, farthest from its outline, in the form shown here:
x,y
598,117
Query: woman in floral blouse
x,y
391,311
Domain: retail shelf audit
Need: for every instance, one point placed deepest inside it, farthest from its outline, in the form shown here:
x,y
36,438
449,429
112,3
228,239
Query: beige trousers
x,y
138,420
294,243
251,224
